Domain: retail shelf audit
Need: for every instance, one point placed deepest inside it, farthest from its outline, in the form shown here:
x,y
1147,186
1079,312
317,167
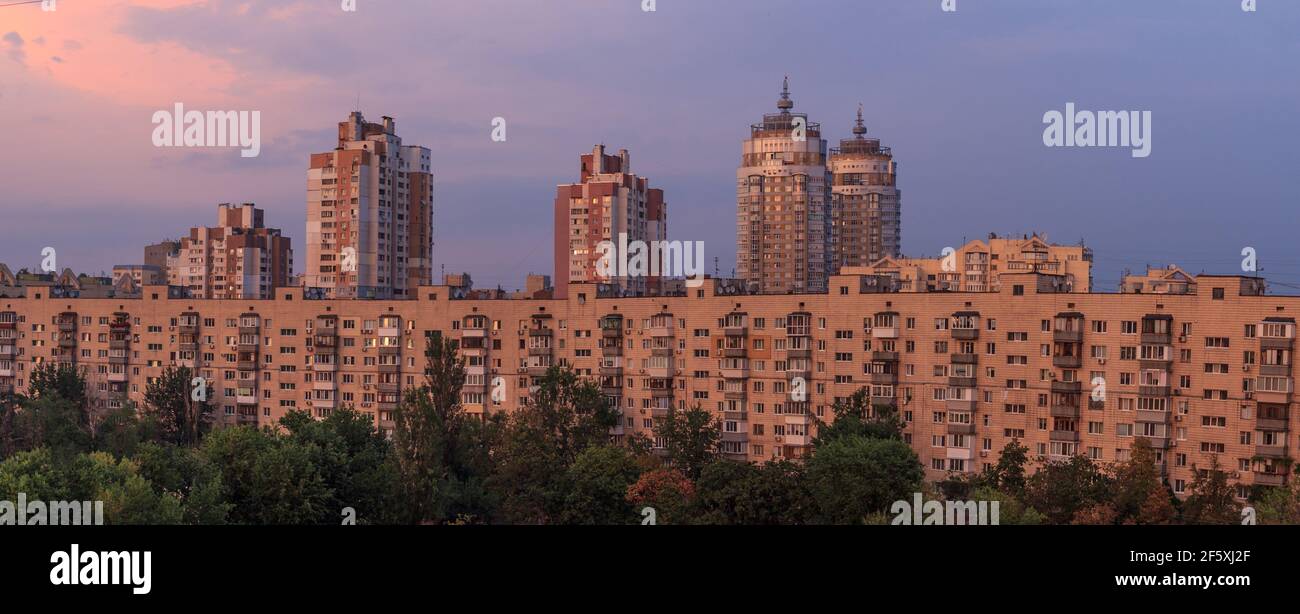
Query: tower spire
x,y
785,104
860,128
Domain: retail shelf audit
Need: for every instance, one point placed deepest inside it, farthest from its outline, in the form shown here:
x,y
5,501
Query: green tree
x,y
1140,496
354,459
856,416
269,478
1060,489
738,493
62,379
169,399
50,421
851,478
443,455
597,486
542,439
1278,505
1008,474
123,430
692,439
1011,510
188,475
1212,500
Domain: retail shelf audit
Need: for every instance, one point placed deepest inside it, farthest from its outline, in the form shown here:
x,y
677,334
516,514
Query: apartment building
x,y
784,238
369,214
865,200
140,274
239,258
1202,374
1159,280
159,254
978,266
609,205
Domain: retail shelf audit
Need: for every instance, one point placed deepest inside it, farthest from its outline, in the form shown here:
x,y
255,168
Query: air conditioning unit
x,y
1101,361
1182,338
1245,367
1250,395
1178,417
984,453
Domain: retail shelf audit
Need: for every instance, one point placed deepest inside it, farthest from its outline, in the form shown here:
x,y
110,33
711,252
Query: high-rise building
x,y
239,258
158,254
369,214
609,203
783,198
865,200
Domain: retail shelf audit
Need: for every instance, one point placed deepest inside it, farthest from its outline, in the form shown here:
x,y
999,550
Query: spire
x,y
785,104
860,129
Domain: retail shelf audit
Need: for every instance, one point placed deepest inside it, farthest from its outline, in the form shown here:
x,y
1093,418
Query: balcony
x,y
1275,343
246,399
740,373
1264,478
884,379
884,332
6,371
1065,411
1153,391
7,351
955,428
1271,424
246,365
961,405
736,330
1270,451
798,353
1157,417
960,453
1157,338
966,334
391,350
119,344
660,412
665,330
1159,443
611,370
1064,436
661,393
728,352
1067,336
1067,362
735,437
965,359
661,372
67,340
465,333
1275,370
538,331
324,385
117,377
250,330
884,356
389,367
1067,387
959,382
539,350
326,404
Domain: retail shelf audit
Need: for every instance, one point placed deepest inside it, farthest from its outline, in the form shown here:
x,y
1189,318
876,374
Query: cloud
x,y
14,42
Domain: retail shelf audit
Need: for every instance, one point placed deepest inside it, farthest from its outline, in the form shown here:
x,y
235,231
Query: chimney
x,y
390,126
626,161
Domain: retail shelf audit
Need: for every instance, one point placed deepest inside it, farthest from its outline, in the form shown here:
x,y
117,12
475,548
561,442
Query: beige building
x,y
369,214
1162,280
783,204
140,274
159,254
978,266
613,206
239,258
1203,374
865,201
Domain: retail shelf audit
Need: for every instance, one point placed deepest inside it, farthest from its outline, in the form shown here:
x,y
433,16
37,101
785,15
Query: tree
x,y
668,491
855,416
169,399
50,421
354,459
1212,500
691,439
1063,488
268,478
1008,475
123,430
1140,496
63,379
1278,505
597,486
187,475
443,455
738,493
1011,511
853,477
542,439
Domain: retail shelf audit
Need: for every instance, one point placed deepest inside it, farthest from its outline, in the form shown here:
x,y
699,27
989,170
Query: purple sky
x,y
959,96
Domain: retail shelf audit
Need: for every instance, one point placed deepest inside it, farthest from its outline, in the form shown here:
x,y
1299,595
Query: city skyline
x,y
972,165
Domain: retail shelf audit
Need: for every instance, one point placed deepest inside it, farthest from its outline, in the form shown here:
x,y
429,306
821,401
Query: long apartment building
x,y
611,205
978,266
239,258
865,200
1209,373
369,214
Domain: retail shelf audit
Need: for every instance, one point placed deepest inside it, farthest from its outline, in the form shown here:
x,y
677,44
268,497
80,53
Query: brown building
x,y
369,214
978,266
1164,280
239,258
1202,374
612,206
865,200
160,254
783,204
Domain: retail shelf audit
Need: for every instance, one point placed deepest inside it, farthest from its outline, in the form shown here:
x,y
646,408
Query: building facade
x,y
978,266
239,258
1201,375
783,204
369,214
609,205
866,204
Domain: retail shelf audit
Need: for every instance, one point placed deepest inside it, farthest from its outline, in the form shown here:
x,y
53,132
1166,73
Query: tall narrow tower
x,y
369,214
783,225
865,202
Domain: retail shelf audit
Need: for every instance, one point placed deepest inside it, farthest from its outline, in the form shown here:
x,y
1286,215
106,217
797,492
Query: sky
x,y
960,97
